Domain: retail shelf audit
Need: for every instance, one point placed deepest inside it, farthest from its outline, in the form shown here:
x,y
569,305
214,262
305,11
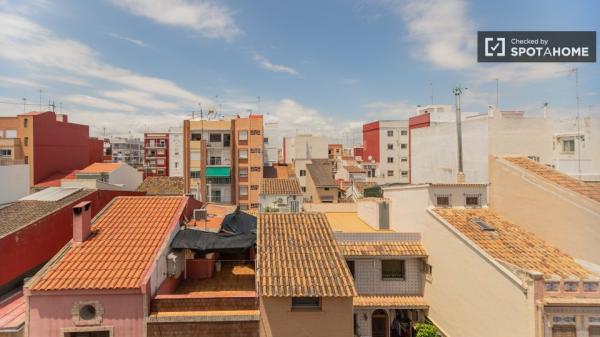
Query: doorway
x,y
379,323
564,331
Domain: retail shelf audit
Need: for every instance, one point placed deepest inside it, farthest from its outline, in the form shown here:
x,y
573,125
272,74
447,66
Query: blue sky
x,y
318,66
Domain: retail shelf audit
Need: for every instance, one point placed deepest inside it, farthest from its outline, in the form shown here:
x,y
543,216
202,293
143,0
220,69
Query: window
x,y
552,286
590,286
255,169
243,135
568,145
326,188
218,181
392,269
254,205
214,161
195,174
442,201
254,187
390,146
571,286
255,150
25,122
5,152
243,190
351,267
404,159
404,173
302,173
243,207
195,155
160,172
390,160
390,133
243,172
255,132
306,303
472,200
303,189
390,173
26,141
403,146
243,154
215,137
160,162
226,140
11,133
403,132
266,140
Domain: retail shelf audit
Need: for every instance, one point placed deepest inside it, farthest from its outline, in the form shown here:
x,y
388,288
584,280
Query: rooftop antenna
x,y
52,105
431,87
457,91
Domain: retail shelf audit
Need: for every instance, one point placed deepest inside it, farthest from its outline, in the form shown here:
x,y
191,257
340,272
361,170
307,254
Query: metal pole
x,y
457,92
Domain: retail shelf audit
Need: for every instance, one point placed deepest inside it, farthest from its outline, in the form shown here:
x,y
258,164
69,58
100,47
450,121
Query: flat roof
x,y
348,222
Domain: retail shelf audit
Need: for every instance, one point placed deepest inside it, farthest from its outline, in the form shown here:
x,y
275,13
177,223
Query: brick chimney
x,y
82,221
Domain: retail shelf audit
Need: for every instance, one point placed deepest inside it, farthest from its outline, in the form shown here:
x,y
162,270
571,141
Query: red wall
x,y
359,152
371,141
96,147
60,146
416,122
35,244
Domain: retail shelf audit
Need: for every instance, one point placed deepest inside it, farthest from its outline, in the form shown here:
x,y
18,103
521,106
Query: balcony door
x,y
379,324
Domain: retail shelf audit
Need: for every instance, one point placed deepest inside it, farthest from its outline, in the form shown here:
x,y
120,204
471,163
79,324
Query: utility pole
x,y
457,91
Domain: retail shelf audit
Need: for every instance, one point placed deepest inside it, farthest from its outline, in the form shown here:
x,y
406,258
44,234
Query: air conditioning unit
x,y
200,214
174,264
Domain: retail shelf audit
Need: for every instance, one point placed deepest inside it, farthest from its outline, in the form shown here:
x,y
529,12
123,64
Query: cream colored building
x,y
568,210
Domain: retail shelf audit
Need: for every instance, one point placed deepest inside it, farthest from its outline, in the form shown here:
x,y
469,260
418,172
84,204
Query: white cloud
x,y
389,110
28,44
97,103
277,68
209,18
12,81
140,99
136,42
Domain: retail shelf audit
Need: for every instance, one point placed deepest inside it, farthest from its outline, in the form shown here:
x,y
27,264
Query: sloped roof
x,y
126,237
511,244
24,212
162,186
591,191
278,186
321,172
390,301
354,169
298,256
382,248
100,168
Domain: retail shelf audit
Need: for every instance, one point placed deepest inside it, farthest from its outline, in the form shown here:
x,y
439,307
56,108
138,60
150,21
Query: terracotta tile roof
x,y
591,191
297,256
162,186
12,313
321,172
277,186
127,235
390,301
382,248
216,214
100,168
511,244
25,212
354,169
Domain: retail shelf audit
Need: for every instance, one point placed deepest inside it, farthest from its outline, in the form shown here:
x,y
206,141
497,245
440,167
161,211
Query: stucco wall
x,y
407,208
15,182
126,175
568,221
278,320
468,295
123,312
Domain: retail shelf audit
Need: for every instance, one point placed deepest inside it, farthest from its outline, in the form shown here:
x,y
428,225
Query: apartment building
x,y
334,151
299,150
175,152
156,154
385,154
48,143
320,185
272,142
557,142
223,160
128,150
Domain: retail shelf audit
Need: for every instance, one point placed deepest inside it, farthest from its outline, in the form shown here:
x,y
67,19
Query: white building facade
x,y
176,152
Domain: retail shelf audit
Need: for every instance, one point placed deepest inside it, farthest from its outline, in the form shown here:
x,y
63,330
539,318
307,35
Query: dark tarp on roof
x,y
238,232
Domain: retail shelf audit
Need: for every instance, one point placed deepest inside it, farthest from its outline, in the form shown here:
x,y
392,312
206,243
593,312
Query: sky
x,y
323,66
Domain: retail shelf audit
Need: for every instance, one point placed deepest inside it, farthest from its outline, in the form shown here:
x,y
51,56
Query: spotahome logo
x,y
536,46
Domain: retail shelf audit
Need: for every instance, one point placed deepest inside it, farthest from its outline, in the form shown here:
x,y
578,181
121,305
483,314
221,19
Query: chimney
x,y
82,221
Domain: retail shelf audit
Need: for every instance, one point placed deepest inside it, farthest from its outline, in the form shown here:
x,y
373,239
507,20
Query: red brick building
x,y
156,154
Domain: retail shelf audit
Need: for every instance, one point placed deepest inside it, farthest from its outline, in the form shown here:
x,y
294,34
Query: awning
x,y
218,171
